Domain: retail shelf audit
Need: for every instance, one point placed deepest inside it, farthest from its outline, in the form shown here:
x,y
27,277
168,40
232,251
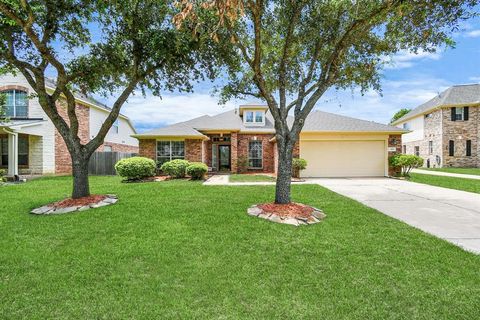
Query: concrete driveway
x,y
448,214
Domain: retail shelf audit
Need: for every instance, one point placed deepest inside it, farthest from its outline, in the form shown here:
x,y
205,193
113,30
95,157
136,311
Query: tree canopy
x,y
98,47
289,53
400,113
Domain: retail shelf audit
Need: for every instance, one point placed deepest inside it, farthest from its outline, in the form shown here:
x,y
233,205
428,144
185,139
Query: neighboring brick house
x,y
30,143
243,140
445,130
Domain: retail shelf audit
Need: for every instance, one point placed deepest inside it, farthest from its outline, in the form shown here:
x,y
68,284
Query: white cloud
x,y
374,107
152,112
475,79
406,59
473,34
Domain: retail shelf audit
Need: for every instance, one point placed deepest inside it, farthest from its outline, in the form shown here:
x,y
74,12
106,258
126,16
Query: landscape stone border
x,y
316,216
48,209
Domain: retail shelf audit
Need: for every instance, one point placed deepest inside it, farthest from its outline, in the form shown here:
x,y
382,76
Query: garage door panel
x,y
343,158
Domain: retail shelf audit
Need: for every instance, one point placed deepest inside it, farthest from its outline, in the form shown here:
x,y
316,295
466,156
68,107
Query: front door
x,y
224,158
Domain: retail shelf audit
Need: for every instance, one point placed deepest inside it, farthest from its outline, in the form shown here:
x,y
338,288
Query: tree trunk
x,y
284,173
80,177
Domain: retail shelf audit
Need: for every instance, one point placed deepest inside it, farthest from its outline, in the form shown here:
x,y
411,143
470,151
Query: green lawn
x,y
474,171
182,250
251,178
470,185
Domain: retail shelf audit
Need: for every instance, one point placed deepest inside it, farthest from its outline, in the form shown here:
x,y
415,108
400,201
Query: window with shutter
x,y
459,114
416,150
465,113
451,148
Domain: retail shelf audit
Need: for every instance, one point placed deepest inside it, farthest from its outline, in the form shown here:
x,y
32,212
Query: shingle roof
x,y
325,122
175,130
231,120
456,95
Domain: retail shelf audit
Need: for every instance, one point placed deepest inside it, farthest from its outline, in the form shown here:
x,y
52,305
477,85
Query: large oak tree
x,y
290,52
97,47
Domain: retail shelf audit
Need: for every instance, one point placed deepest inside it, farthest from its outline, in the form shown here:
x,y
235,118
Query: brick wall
x,y
193,150
394,140
63,161
432,132
234,152
147,148
460,132
439,128
268,150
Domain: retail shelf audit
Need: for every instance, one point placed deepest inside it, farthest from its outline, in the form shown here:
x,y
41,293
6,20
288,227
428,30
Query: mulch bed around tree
x,y
292,210
92,199
292,213
80,204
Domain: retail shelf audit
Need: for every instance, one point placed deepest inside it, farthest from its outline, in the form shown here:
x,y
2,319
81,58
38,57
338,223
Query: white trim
x,y
254,123
12,152
248,152
170,156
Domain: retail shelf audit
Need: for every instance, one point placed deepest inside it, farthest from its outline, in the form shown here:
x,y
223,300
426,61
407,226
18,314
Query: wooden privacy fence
x,y
103,163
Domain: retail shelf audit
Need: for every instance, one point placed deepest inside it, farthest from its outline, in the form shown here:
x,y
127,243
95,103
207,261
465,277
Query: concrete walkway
x,y
223,180
449,214
446,174
446,213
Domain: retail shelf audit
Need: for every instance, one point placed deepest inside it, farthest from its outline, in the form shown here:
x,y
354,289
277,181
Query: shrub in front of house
x,y
3,173
298,164
406,162
135,168
242,164
197,170
175,168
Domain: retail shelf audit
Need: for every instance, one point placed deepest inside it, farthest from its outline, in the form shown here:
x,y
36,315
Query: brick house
x,y
243,140
29,141
445,130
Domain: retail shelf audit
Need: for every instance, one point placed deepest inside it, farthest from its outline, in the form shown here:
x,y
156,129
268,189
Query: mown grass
x,y
179,250
474,171
251,178
470,185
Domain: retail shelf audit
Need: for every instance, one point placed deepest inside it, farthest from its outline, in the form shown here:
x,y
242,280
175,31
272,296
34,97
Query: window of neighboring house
x,y
451,148
169,150
255,154
4,152
406,126
115,126
22,151
107,149
430,147
468,148
249,116
16,104
459,114
417,151
404,149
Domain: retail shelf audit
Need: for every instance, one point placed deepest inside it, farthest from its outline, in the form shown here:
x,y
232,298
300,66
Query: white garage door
x,y
343,158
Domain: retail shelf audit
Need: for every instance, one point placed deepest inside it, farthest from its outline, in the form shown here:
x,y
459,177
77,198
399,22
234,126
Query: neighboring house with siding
x,y
445,130
29,141
333,145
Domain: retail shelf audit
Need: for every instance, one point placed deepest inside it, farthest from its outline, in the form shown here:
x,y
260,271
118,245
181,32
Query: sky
x,y
407,82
